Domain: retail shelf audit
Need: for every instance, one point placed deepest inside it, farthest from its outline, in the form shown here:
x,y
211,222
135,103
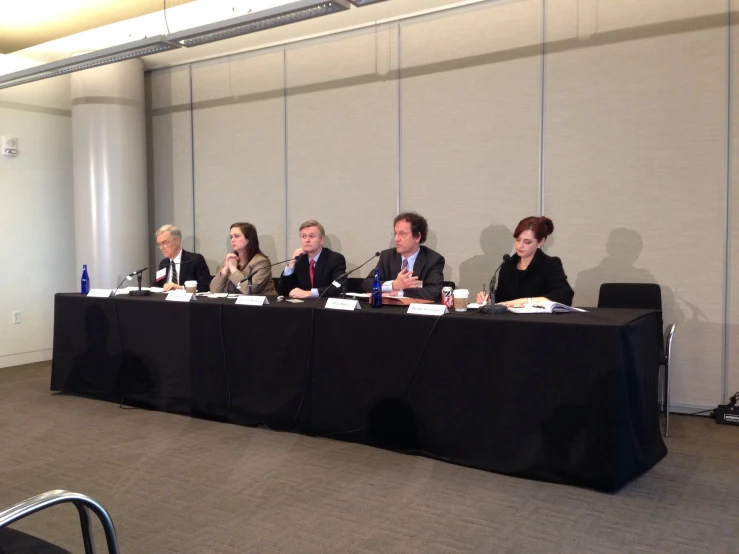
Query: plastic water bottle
x,y
85,281
377,290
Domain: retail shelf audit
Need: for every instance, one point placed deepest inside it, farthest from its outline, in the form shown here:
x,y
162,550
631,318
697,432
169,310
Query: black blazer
x,y
329,266
545,276
429,268
194,270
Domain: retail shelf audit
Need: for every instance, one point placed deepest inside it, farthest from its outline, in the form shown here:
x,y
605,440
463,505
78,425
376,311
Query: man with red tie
x,y
316,268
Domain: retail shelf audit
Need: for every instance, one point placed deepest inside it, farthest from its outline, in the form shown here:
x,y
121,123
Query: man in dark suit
x,y
316,268
178,265
409,269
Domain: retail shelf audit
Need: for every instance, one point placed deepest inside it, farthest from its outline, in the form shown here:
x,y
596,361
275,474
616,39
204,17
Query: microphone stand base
x,y
139,293
494,310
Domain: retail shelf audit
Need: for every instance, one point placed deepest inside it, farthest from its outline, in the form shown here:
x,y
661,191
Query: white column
x,y
109,165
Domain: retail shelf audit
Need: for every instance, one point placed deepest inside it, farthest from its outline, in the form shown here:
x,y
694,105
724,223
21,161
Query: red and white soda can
x,y
446,297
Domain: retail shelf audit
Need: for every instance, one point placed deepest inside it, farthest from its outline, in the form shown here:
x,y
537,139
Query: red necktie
x,y
312,265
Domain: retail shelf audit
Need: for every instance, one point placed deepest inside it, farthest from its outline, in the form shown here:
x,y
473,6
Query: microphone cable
x,y
308,375
225,361
406,393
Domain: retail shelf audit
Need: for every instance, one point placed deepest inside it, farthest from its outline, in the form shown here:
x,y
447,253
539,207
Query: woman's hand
x,y
481,298
225,269
233,262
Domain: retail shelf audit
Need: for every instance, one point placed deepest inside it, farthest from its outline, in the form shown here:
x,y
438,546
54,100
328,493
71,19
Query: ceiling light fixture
x,y
360,3
143,47
258,21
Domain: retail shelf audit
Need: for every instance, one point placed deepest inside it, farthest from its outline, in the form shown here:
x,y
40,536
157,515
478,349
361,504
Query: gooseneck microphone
x,y
489,308
493,280
341,279
253,273
138,273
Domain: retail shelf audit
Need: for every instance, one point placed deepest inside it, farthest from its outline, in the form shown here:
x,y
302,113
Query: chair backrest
x,y
450,284
630,295
276,281
354,284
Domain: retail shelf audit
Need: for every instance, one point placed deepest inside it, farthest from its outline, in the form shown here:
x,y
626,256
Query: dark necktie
x,y
174,273
404,265
312,265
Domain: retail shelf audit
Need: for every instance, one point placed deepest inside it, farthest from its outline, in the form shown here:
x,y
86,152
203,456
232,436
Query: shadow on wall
x,y
495,240
623,249
333,242
269,248
697,345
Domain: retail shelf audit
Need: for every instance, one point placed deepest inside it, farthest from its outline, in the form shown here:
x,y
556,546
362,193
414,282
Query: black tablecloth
x,y
567,398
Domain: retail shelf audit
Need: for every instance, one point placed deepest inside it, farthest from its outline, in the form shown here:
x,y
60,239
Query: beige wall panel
x,y
471,115
239,152
567,19
635,161
38,196
342,120
170,155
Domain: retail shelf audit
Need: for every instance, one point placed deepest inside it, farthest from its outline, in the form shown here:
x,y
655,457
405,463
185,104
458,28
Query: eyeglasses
x,y
164,243
401,234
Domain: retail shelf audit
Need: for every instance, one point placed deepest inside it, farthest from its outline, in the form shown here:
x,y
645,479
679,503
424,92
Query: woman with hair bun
x,y
530,275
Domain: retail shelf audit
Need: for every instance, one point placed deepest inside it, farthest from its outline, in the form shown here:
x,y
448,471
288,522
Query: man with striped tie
x,y
178,265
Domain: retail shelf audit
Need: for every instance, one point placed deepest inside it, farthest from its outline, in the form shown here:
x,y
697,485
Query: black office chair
x,y
354,284
646,296
276,281
450,284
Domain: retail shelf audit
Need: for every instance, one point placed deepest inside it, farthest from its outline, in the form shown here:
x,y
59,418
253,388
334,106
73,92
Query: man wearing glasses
x,y
409,269
316,267
178,265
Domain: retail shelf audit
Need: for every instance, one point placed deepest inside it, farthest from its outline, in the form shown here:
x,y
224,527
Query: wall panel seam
x,y
727,216
399,199
284,119
542,107
192,161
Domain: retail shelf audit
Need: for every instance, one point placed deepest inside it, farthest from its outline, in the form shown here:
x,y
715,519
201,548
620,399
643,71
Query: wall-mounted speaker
x,y
9,146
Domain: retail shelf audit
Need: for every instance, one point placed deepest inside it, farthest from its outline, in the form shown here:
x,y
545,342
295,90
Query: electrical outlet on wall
x,y
16,318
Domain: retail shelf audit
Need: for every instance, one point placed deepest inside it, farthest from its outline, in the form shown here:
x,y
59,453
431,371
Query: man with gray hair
x,y
316,267
178,265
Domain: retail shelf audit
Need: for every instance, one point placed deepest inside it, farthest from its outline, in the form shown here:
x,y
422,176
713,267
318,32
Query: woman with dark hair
x,y
530,275
245,259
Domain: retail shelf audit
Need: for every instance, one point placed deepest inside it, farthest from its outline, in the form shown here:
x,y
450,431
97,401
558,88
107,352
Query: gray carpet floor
x,y
182,485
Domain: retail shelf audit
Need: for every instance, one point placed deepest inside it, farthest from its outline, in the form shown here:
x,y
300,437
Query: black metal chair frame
x,y
667,338
83,504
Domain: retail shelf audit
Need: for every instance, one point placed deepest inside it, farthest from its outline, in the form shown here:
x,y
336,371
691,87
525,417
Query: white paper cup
x,y
191,286
461,296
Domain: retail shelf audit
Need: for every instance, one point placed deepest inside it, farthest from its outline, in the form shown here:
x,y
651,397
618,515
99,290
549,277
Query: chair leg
x,y
87,538
666,394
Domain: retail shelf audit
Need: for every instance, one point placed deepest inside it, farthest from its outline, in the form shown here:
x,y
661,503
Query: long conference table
x,y
568,398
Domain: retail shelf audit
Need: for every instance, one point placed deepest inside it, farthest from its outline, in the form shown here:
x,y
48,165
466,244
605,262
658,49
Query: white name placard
x,y
428,309
100,293
342,304
252,300
177,296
